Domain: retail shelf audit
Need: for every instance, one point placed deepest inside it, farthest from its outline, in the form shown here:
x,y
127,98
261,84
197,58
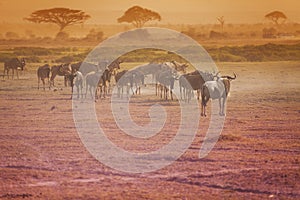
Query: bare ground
x,y
256,157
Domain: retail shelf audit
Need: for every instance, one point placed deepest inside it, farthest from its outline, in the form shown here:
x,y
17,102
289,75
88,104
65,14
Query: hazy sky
x,y
172,11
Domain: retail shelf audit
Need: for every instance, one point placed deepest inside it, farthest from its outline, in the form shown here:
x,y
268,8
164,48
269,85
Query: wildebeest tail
x,y
204,94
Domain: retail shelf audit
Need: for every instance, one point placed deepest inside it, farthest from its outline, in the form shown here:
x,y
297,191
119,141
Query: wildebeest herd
x,y
95,79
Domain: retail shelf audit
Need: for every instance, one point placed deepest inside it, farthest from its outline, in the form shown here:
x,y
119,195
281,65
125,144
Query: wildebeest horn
x,y
216,75
229,77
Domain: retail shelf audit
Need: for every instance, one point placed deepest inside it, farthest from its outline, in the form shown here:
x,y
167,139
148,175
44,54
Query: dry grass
x,y
257,156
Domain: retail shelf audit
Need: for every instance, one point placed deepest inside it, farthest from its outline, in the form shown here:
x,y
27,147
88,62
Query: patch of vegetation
x,y
71,58
150,55
247,53
6,56
252,53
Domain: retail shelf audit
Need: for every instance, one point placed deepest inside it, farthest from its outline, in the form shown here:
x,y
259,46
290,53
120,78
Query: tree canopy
x,y
62,17
138,16
275,16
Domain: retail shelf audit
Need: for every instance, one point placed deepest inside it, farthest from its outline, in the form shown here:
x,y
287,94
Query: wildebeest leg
x,y
49,83
138,90
166,93
96,92
53,75
90,89
222,106
105,88
180,91
121,91
81,90
66,81
118,93
78,89
72,89
187,94
86,89
12,75
38,83
203,108
128,90
43,80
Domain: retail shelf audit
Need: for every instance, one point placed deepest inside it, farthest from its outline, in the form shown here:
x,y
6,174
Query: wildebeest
x,y
84,67
193,81
165,83
43,73
136,79
14,64
217,89
132,79
60,70
154,68
79,80
91,82
103,83
150,69
179,67
121,81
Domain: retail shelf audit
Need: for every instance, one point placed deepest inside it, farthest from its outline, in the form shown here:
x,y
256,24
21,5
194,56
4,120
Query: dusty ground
x,y
256,157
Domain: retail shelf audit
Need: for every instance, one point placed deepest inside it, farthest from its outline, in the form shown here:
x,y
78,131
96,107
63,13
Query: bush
x,y
29,51
11,35
138,34
61,36
33,59
6,56
71,58
94,35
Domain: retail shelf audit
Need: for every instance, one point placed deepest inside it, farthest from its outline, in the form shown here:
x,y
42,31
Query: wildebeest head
x,y
66,69
180,66
229,77
22,64
115,65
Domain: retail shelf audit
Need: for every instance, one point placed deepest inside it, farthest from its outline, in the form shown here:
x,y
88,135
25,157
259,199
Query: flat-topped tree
x,y
222,22
275,16
138,16
62,17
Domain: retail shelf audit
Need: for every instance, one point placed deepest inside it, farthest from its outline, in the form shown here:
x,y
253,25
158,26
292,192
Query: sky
x,y
172,11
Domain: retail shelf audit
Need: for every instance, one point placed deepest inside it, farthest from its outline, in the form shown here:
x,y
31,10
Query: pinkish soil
x,y
256,157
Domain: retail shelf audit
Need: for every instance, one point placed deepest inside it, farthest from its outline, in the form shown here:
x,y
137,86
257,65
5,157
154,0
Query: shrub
x,y
29,51
61,36
6,56
71,58
94,35
33,59
11,35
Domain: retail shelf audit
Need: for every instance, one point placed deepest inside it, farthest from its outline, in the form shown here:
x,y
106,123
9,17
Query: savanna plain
x,y
256,156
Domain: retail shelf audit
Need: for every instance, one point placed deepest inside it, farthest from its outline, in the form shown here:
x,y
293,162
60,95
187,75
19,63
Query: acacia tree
x,y
138,16
62,17
222,22
275,16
